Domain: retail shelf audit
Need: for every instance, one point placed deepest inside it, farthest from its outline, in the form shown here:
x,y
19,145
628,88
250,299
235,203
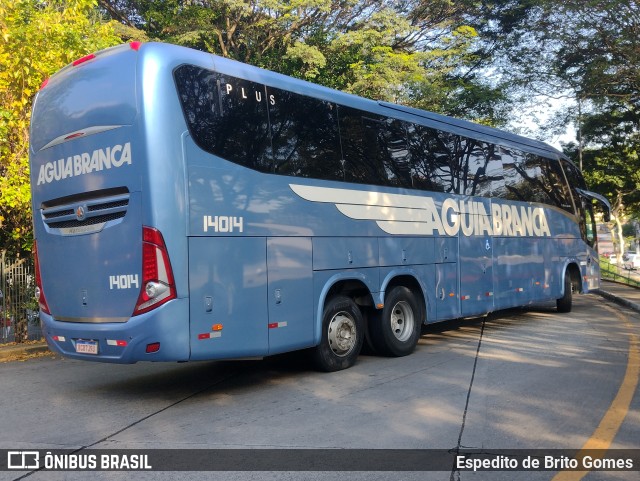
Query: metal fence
x,y
19,320
615,273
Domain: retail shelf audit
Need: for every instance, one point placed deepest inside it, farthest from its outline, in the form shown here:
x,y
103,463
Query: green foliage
x,y
611,163
365,62
585,54
415,52
36,39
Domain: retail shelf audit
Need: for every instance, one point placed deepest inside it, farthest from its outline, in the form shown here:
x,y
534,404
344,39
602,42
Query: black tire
x,y
367,346
565,302
342,335
395,330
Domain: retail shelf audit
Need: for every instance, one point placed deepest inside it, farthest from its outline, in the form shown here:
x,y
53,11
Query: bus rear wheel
x,y
342,335
395,330
564,303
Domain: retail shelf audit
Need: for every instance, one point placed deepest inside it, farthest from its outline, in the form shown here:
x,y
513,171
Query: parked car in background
x,y
631,260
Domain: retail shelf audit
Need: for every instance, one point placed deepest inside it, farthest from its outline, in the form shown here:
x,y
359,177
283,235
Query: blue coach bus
x,y
190,207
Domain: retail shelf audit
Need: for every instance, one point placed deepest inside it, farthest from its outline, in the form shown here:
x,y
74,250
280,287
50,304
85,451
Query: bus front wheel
x,y
395,330
342,335
564,303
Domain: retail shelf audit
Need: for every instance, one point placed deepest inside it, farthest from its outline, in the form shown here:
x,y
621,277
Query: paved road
x,y
522,379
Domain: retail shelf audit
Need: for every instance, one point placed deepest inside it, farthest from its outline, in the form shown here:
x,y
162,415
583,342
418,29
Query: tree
x,y
415,52
587,54
36,39
605,61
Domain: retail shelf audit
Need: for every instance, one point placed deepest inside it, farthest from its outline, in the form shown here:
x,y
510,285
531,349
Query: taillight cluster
x,y
42,301
158,285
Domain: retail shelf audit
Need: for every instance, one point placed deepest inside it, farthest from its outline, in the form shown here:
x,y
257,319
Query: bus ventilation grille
x,y
86,215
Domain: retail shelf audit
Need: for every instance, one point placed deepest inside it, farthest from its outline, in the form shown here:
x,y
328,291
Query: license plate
x,y
87,347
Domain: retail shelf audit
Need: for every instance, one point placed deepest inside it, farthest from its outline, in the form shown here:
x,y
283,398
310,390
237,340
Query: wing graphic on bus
x,y
393,213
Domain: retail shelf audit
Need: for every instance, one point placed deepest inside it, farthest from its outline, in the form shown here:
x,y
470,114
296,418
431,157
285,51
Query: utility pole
x,y
580,132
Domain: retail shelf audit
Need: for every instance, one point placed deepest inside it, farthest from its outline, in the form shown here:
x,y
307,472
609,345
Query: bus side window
x,y
226,116
305,137
474,168
241,130
426,151
532,175
590,221
513,188
360,138
556,185
396,156
494,172
583,210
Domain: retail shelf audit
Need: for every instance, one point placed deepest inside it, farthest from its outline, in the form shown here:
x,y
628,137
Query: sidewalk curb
x,y
617,299
6,352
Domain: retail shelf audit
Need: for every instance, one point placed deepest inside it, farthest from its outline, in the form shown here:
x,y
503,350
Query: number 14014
x,y
223,223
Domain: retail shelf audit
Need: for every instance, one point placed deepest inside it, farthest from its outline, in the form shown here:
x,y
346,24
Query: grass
x,y
614,273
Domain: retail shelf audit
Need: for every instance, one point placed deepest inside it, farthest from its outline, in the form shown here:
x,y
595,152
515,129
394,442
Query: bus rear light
x,y
74,136
155,289
42,301
44,83
84,59
153,347
157,276
135,45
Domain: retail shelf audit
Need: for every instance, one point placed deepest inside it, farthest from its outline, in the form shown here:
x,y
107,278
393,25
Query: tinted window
x,y
226,116
304,136
493,171
430,159
394,149
281,132
557,185
573,175
512,172
529,178
474,159
360,136
583,209
532,186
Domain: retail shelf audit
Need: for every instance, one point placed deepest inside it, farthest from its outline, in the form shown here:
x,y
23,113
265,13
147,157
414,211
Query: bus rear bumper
x,y
159,335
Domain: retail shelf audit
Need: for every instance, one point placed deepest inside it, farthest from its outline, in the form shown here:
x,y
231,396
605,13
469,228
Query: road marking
x,y
609,426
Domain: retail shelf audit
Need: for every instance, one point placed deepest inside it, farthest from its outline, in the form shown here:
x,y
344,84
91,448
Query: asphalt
x,y
622,294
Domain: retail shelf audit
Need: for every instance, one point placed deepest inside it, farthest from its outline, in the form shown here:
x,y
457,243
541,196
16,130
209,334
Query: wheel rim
x,y
402,321
342,334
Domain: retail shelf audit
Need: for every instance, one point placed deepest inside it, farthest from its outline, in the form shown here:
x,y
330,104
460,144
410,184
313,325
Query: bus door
x,y
447,296
476,275
476,258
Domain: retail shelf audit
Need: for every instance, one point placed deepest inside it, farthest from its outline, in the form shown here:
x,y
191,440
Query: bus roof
x,y
172,56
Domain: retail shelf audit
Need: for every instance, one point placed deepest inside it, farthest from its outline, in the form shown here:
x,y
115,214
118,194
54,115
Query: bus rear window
x,y
226,116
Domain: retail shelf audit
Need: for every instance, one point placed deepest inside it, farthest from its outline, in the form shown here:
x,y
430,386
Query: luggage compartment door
x,y
290,295
228,297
